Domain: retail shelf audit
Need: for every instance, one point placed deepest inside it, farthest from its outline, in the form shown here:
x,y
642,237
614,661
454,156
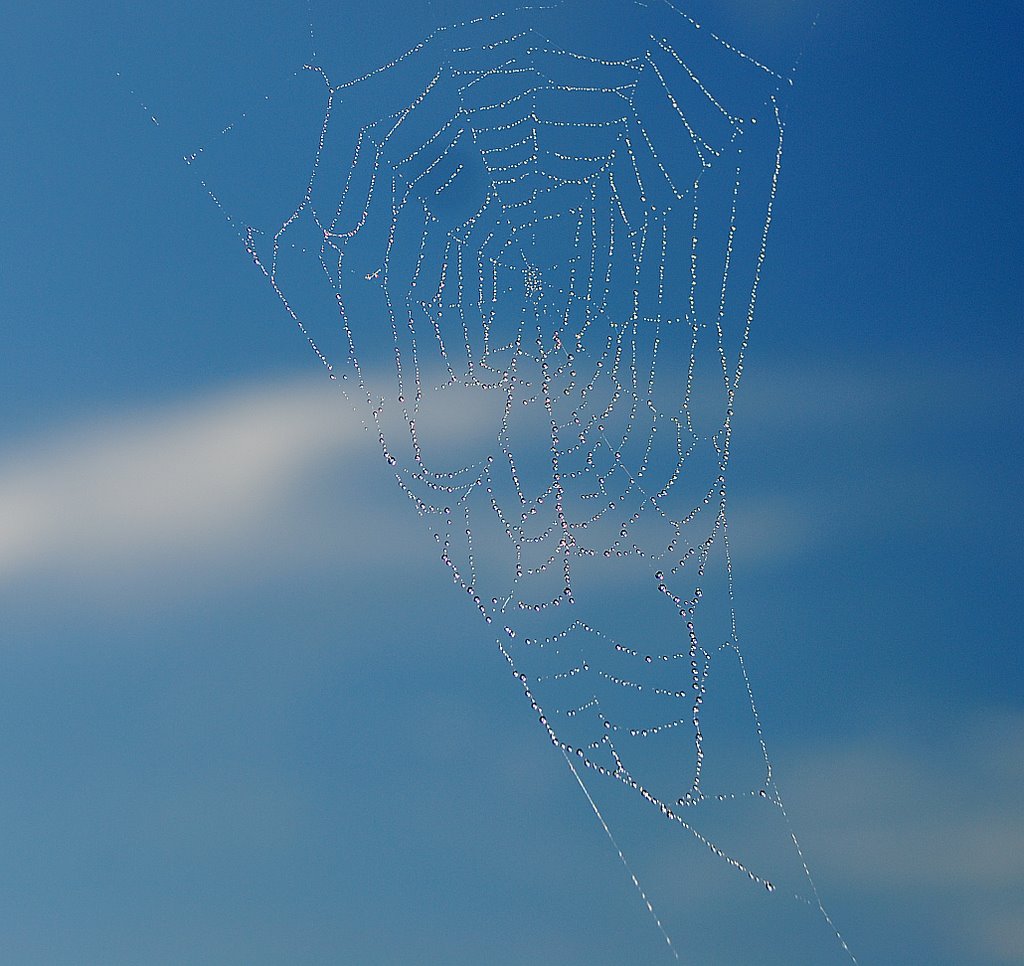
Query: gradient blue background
x,y
244,718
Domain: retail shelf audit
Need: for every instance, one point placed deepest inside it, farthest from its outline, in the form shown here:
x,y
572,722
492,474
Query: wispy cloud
x,y
206,489
241,476
858,394
888,815
161,482
213,487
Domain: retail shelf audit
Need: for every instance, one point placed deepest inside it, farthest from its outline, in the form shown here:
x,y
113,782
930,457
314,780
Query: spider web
x,y
529,249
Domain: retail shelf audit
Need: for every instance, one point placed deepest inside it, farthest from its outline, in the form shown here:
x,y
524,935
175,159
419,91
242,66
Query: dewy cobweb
x,y
529,248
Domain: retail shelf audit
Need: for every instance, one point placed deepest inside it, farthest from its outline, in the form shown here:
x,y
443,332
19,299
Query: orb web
x,y
529,251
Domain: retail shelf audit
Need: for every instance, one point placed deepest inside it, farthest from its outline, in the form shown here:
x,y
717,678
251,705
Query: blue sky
x,y
245,716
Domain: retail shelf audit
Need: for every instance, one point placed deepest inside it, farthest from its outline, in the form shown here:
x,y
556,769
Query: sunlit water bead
x,y
533,283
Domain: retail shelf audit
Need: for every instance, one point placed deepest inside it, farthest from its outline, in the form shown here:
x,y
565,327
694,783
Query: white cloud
x,y
859,395
187,498
765,530
163,482
237,477
891,816
204,490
